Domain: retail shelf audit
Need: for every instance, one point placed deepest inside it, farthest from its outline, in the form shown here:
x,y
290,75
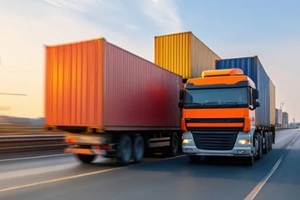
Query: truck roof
x,y
222,72
221,77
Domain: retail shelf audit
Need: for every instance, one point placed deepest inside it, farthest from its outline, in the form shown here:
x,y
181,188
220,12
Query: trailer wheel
x,y
86,159
174,143
271,143
267,143
138,149
124,150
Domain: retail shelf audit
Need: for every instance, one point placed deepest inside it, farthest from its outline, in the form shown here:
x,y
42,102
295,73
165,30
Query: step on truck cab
x,y
218,117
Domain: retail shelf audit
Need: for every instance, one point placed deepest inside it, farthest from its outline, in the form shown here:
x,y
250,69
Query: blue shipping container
x,y
253,68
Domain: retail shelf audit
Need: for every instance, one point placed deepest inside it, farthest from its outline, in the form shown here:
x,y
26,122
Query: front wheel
x,y
259,152
86,159
174,144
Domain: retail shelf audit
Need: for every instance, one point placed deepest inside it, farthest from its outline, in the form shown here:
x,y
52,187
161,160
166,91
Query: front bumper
x,y
239,150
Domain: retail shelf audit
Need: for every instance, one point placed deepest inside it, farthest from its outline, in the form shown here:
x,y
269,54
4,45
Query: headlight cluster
x,y
186,141
244,141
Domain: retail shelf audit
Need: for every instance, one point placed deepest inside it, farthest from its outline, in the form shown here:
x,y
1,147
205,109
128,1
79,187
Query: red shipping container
x,y
97,84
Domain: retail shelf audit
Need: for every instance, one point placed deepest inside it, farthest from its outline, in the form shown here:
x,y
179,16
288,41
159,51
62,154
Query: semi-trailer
x,y
228,113
110,102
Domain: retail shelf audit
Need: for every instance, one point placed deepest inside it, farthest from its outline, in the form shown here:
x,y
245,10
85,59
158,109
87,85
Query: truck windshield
x,y
219,97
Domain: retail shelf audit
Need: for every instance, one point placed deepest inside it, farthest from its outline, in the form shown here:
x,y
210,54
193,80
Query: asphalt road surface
x,y
62,177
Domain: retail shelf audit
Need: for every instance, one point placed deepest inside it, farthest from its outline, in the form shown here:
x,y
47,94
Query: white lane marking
x,y
33,157
259,186
59,179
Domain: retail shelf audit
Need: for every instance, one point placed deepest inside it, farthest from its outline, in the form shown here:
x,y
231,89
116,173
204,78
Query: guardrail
x,y
26,144
9,128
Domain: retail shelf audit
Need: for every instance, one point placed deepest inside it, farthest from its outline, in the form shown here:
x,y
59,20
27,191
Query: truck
x,y
227,113
110,102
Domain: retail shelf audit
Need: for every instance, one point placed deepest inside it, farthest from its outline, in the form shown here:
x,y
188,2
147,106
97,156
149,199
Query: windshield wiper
x,y
212,103
231,103
193,104
235,104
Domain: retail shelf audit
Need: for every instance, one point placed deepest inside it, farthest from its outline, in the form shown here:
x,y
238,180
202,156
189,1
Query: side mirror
x,y
256,104
255,94
181,93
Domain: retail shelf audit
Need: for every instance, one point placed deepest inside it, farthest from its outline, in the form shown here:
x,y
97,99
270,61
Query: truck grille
x,y
215,140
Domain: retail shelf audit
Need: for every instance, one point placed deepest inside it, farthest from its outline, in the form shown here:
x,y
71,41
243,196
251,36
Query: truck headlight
x,y
186,141
244,141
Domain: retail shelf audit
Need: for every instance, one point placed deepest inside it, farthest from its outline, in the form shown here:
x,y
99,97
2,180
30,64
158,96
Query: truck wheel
x,y
267,143
85,158
174,143
260,148
271,141
124,150
138,149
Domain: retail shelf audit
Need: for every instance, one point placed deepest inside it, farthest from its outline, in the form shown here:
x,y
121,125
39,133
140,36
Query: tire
x,y
267,143
271,142
174,144
260,150
124,150
86,159
138,149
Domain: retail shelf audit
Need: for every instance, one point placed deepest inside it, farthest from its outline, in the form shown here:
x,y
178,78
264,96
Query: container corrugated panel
x,y
272,103
95,83
73,84
137,93
253,68
202,57
184,54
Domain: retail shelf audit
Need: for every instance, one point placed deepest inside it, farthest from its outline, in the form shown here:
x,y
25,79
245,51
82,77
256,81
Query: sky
x,y
236,28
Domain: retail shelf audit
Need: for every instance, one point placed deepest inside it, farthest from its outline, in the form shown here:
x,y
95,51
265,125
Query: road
x,y
275,176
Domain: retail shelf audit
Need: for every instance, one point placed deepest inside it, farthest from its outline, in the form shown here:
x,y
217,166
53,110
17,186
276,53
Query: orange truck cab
x,y
218,116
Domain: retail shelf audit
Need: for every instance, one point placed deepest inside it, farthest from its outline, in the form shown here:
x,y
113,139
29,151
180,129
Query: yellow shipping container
x,y
184,54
